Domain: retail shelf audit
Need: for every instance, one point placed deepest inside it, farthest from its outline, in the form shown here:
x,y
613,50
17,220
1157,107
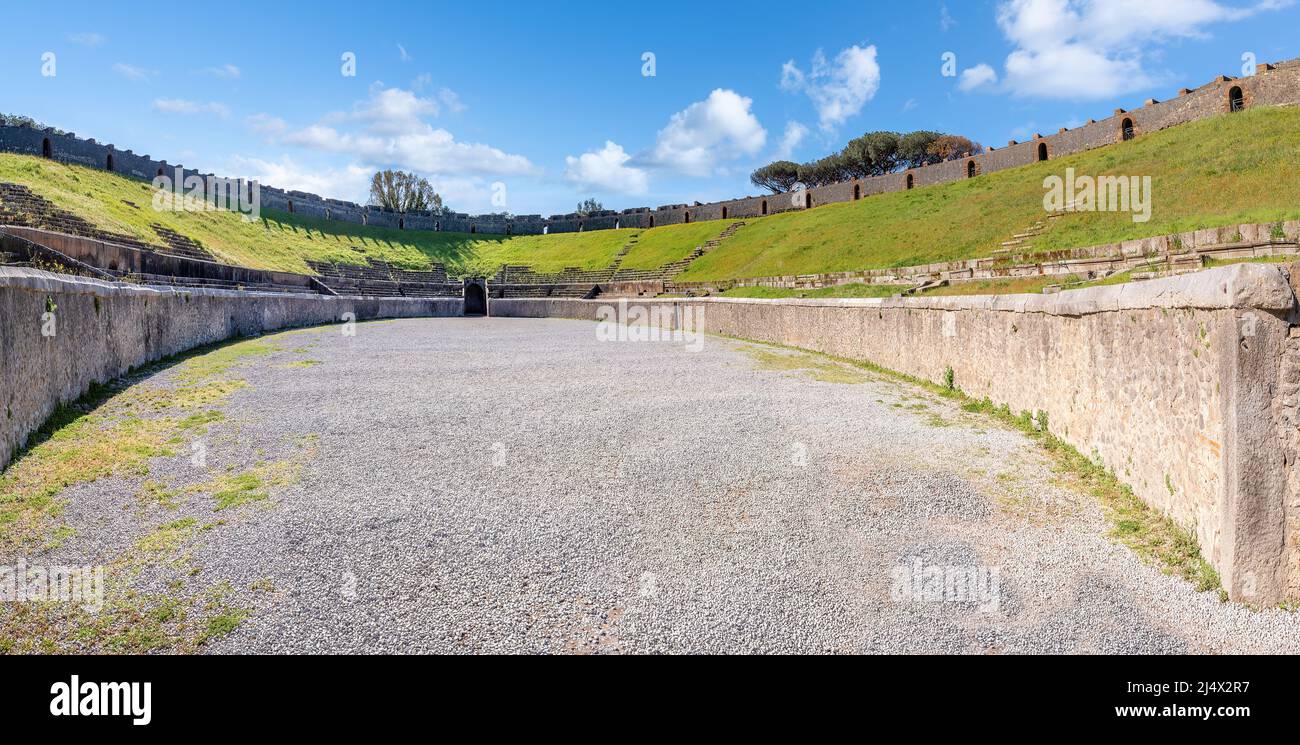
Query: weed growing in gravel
x,y
130,622
169,537
1154,537
113,431
236,489
78,447
154,492
819,368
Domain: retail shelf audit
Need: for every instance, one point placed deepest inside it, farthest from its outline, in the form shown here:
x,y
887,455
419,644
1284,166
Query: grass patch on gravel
x,y
114,431
817,367
254,485
1154,537
76,447
177,620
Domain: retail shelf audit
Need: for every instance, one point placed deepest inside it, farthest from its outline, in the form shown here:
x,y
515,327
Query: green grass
x,y
670,243
285,242
593,249
1237,168
117,430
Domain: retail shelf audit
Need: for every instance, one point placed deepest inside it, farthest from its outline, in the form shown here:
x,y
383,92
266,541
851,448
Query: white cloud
x,y
978,76
285,173
794,135
451,100
267,125
1098,48
132,72
719,128
388,129
401,50
946,21
837,89
227,71
190,108
88,39
448,98
392,111
792,78
606,169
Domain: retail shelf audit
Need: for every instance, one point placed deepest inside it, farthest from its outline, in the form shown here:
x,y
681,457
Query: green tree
x,y
777,177
588,206
914,149
400,191
872,154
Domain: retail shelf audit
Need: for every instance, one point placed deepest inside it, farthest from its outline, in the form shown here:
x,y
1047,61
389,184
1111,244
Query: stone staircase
x,y
1021,242
20,206
677,267
515,280
181,245
381,279
623,252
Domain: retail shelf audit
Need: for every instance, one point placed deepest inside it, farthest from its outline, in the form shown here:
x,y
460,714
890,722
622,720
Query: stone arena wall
x,y
1187,388
1272,85
104,330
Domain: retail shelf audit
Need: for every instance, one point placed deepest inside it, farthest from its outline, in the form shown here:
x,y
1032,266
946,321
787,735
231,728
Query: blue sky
x,y
543,104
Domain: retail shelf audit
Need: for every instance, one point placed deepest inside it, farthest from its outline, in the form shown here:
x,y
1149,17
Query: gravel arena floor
x,y
516,485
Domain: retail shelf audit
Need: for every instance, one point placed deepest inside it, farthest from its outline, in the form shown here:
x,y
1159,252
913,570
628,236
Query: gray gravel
x,y
514,485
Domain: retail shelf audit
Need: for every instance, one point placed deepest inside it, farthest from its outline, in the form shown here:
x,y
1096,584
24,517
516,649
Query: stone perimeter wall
x,y
1188,388
104,330
1272,85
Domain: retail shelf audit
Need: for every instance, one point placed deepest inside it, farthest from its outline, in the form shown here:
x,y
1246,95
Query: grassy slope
x,y
1233,168
551,253
669,243
284,241
1228,169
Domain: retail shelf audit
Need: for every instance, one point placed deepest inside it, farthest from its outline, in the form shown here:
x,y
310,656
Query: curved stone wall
x,y
102,330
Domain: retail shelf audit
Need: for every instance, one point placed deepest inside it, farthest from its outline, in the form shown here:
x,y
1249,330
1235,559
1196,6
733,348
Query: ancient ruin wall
x,y
103,330
1272,85
1173,384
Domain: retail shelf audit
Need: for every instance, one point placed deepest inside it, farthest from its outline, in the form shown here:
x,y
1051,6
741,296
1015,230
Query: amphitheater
x,y
345,429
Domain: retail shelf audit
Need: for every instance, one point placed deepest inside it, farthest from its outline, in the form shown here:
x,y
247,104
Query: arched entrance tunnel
x,y
476,300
